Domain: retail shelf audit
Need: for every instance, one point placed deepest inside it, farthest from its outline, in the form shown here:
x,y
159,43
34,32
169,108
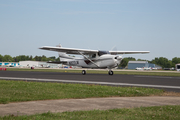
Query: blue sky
x,y
147,25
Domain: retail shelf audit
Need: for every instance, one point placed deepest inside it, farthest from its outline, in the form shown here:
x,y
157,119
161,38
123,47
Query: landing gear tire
x,y
111,72
83,72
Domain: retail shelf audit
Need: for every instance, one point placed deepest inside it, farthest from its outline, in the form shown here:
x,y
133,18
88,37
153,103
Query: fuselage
x,y
103,61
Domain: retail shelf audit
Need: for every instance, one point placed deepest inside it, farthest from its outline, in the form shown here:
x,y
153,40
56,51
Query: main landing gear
x,y
83,72
110,72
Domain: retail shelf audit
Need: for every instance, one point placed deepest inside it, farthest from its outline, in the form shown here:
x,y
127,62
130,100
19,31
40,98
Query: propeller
x,y
114,49
118,58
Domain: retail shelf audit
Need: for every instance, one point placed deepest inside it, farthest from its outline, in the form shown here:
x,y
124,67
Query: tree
x,y
44,58
163,62
53,58
37,58
175,61
141,60
7,58
57,59
22,58
1,58
125,61
30,58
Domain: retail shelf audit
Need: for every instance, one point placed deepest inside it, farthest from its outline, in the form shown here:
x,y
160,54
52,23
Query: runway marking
x,y
159,77
90,82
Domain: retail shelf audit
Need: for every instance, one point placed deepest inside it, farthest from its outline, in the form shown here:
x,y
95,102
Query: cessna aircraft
x,y
91,58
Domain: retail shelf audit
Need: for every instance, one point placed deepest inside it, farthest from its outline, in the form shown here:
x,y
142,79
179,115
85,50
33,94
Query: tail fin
x,y
58,45
63,56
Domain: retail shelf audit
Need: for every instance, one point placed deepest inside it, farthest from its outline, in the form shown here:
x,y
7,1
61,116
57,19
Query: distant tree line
x,y
165,63
161,61
8,58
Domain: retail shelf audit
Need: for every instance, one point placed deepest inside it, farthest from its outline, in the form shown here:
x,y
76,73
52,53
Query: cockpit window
x,y
94,56
103,52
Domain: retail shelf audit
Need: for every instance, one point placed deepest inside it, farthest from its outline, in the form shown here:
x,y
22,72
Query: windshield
x,y
103,52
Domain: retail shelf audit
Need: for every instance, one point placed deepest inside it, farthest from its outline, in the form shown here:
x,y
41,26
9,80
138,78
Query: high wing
x,y
85,51
128,52
69,50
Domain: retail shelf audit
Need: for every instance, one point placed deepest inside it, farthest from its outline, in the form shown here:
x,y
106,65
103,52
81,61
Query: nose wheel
x,y
110,72
83,72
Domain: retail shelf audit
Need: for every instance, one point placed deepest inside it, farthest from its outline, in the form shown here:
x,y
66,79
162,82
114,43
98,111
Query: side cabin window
x,y
103,52
93,56
178,66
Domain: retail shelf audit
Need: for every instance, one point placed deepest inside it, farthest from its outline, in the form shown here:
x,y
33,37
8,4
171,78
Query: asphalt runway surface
x,y
160,82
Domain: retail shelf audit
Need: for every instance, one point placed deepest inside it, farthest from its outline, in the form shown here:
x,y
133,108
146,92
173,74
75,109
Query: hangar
x,y
38,64
142,64
9,64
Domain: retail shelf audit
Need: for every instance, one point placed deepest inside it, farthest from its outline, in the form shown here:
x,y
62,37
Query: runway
x,y
160,82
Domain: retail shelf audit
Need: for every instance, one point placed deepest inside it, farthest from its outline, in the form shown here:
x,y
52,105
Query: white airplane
x,y
91,58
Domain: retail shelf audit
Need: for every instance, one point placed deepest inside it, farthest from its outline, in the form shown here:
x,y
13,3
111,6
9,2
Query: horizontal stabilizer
x,y
60,62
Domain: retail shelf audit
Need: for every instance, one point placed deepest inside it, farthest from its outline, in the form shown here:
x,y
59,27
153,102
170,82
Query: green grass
x,y
151,73
44,70
141,113
16,91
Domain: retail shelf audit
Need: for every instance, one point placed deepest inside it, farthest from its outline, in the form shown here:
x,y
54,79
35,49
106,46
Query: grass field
x,y
142,113
15,91
152,73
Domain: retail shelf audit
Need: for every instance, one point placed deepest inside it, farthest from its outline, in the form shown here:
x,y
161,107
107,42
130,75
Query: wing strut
x,y
88,59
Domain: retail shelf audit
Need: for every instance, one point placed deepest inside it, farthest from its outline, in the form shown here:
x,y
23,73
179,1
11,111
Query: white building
x,y
142,64
178,67
9,64
38,64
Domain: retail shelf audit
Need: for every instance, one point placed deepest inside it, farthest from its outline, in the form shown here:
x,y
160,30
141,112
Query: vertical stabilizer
x,y
63,56
58,45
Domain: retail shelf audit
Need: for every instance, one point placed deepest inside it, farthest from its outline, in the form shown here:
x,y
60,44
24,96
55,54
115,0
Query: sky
x,y
124,25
